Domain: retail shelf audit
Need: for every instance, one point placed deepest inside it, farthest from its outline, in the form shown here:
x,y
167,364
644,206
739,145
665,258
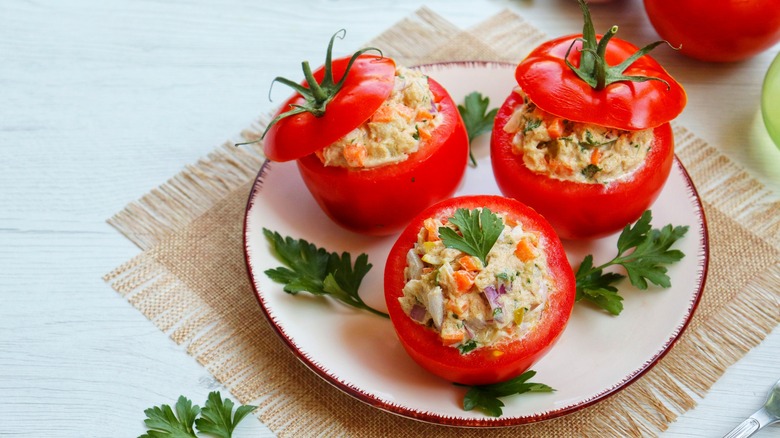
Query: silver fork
x,y
768,414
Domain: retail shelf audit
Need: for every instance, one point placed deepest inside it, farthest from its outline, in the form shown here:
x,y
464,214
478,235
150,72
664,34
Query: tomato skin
x,y
723,31
368,85
579,210
484,365
555,88
381,200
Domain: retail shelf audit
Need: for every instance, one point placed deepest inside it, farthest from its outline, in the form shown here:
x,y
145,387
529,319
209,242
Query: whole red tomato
x,y
598,80
483,365
719,31
339,97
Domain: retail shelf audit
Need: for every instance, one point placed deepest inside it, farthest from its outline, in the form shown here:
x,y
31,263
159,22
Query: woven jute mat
x,y
190,279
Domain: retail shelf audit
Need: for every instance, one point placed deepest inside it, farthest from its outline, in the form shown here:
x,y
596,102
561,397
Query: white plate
x,y
358,352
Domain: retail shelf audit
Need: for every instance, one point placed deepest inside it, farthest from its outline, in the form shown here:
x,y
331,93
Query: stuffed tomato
x,y
478,288
585,137
386,143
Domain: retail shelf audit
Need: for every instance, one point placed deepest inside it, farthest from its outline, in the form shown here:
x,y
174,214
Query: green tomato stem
x,y
601,63
593,68
317,92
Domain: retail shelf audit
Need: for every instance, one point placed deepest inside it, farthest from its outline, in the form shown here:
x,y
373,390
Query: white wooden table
x,y
101,101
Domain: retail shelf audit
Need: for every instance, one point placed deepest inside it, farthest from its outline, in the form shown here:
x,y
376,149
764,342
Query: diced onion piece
x,y
400,84
414,266
435,300
492,294
417,313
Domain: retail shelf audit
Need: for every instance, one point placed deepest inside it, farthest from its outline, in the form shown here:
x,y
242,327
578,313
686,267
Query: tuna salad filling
x,y
472,304
397,129
573,151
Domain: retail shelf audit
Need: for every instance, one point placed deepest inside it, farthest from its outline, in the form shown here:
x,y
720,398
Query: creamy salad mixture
x,y
396,130
574,151
474,305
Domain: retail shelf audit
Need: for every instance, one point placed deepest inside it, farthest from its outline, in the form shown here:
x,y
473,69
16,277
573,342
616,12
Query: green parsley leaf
x,y
162,423
485,401
479,232
486,397
477,118
217,417
317,271
643,252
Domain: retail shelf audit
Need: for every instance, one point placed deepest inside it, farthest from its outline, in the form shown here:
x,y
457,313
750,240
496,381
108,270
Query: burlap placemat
x,y
190,279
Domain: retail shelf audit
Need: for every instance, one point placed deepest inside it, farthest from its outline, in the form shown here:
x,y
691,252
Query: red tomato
x,y
555,88
580,210
483,365
599,80
382,200
722,31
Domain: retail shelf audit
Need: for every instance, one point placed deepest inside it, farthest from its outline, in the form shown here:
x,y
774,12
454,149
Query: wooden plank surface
x,y
102,101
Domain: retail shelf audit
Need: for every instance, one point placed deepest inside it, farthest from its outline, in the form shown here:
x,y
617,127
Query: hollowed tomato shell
x,y
578,210
488,364
382,200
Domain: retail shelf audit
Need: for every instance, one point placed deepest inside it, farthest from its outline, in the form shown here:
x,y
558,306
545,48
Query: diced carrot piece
x,y
463,281
423,114
595,156
452,338
383,115
525,250
470,263
456,308
424,133
510,221
432,231
355,154
559,168
555,128
405,112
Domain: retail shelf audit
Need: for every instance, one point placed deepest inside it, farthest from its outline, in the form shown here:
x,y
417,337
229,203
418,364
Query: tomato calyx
x,y
318,94
637,92
594,69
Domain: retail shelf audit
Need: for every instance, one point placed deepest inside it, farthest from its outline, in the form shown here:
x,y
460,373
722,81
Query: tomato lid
x,y
368,84
631,105
600,80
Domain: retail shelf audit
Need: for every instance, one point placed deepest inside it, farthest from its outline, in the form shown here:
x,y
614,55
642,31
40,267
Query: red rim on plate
x,y
431,416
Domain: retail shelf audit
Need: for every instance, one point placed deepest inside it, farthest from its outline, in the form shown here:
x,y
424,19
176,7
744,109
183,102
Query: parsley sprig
x,y
486,397
477,118
643,252
216,419
317,271
479,231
